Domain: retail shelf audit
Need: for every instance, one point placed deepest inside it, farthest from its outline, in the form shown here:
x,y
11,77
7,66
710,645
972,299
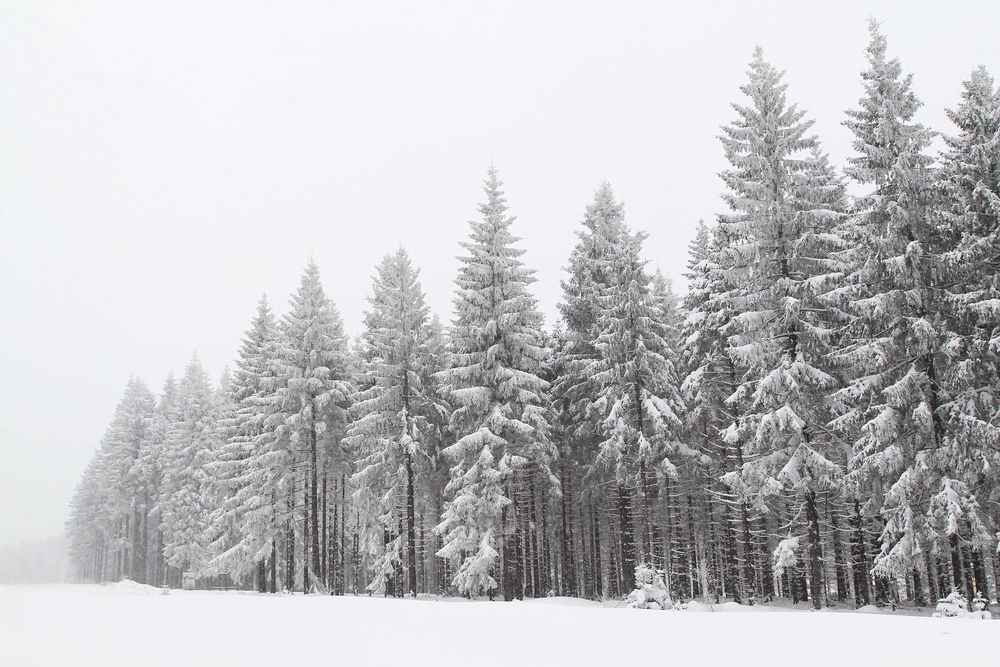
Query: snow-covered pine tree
x,y
637,398
662,289
969,209
708,379
152,461
578,431
893,354
786,206
313,397
437,435
189,448
123,482
85,527
250,466
501,402
392,412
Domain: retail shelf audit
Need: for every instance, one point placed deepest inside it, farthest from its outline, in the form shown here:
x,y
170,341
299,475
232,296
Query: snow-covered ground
x,y
133,625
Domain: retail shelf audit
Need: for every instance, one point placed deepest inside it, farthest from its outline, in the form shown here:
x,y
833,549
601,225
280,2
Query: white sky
x,y
162,164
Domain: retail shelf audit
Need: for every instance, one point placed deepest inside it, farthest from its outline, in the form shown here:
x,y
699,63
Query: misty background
x,y
162,165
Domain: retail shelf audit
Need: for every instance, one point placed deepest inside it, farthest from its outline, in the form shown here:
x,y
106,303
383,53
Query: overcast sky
x,y
163,164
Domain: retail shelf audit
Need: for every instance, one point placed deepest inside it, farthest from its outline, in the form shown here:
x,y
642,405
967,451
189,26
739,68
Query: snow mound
x,y
868,609
130,587
695,605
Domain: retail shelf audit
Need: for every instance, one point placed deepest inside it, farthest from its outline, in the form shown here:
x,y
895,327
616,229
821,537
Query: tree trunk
x,y
648,498
815,552
627,538
838,557
859,558
274,566
324,574
313,484
290,541
306,533
596,546
568,579
338,515
411,529
343,544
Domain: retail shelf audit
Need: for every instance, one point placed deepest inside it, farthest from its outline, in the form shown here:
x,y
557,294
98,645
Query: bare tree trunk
x,y
838,557
325,539
313,505
596,546
411,532
568,579
306,530
859,557
627,537
815,552
273,583
343,544
338,515
290,540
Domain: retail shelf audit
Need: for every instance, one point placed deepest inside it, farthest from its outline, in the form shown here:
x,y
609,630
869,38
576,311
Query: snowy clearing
x,y
114,625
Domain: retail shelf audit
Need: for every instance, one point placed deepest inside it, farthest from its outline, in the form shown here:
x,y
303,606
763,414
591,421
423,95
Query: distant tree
x,y
251,467
190,445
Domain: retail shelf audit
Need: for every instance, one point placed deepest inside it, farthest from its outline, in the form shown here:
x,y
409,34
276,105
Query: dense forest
x,y
816,418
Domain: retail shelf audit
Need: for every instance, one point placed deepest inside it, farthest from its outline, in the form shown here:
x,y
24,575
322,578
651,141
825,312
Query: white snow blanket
x,y
128,625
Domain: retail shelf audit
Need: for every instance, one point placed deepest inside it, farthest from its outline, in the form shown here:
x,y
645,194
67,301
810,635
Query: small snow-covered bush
x,y
981,607
650,591
953,606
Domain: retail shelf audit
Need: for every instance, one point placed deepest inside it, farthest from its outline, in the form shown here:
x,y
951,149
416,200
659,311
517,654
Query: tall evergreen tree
x,y
394,411
190,445
314,396
123,480
250,466
709,379
889,409
781,256
578,430
969,210
500,419
638,400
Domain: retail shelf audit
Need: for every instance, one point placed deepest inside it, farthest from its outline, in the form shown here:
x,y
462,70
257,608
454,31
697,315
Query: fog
x,y
162,165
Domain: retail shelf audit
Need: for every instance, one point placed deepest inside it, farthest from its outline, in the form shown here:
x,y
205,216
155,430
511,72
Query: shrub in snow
x,y
650,591
981,607
953,606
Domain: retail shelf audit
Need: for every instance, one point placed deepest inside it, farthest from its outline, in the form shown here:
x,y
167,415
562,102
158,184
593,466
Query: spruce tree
x,y
124,481
637,398
393,416
892,356
190,446
577,429
313,397
781,257
501,402
708,381
250,465
969,211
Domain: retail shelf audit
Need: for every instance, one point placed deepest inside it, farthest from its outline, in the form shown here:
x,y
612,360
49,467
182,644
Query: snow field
x,y
131,625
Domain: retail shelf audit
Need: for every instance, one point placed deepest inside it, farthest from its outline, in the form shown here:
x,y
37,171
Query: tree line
x,y
816,418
